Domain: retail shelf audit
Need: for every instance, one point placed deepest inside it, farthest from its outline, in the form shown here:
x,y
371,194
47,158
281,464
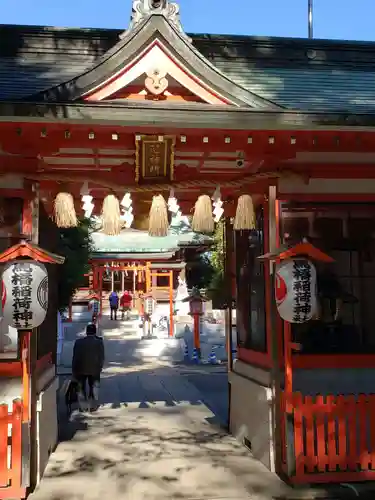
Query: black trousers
x,y
114,311
90,380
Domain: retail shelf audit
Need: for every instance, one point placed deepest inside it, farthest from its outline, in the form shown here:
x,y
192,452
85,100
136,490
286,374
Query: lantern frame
x,y
196,300
22,251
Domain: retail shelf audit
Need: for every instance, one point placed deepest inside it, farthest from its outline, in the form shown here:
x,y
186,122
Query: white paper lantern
x,y
25,294
296,290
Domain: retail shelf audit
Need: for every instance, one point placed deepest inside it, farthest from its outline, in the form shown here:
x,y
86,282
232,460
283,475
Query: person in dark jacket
x,y
113,304
87,365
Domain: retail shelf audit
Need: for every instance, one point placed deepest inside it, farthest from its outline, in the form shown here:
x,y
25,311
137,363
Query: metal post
x,y
310,18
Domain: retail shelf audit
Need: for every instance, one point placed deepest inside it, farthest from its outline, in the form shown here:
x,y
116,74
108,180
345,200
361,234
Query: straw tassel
x,y
64,211
158,223
203,221
245,216
111,221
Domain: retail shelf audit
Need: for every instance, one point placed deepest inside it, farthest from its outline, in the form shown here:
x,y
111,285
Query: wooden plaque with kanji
x,y
154,159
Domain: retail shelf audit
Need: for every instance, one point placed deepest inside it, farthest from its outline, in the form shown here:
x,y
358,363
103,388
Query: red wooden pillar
x,y
197,337
27,218
25,357
94,277
30,213
101,291
274,331
228,237
171,307
148,277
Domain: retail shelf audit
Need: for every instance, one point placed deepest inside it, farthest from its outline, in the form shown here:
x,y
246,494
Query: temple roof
x,y
275,72
133,241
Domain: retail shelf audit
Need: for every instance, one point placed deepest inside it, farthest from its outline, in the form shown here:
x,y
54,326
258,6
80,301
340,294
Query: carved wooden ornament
x,y
156,82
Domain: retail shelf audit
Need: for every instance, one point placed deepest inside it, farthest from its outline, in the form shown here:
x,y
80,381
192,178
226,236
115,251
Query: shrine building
x,y
139,263
277,136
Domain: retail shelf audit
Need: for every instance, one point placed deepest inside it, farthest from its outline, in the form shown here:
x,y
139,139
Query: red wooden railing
x,y
11,451
333,438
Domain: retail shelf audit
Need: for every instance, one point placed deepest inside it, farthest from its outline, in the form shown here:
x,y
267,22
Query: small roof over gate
x,y
136,241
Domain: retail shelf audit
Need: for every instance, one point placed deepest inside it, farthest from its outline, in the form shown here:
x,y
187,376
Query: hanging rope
x,y
198,183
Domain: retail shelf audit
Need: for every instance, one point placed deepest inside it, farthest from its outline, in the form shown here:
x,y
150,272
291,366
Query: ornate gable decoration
x,y
155,67
143,9
156,60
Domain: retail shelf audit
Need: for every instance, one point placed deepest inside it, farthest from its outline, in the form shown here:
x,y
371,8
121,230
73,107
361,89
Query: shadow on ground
x,y
155,451
152,438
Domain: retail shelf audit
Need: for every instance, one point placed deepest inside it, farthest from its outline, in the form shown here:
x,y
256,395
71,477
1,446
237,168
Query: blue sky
x,y
342,19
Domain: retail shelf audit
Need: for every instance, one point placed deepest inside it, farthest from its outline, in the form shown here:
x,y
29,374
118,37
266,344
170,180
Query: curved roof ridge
x,y
131,43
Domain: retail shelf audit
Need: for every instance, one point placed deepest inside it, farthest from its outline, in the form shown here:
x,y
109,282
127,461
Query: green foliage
x,y
218,250
217,284
207,270
199,271
75,245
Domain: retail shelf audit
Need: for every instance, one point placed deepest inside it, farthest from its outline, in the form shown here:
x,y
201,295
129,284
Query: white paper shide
x,y
25,294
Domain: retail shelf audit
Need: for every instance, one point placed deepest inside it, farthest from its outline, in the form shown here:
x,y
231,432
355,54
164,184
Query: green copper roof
x,y
135,241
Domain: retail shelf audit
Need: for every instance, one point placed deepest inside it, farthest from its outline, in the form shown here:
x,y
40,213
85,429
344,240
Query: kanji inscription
x,y
25,294
22,280
154,159
296,290
302,291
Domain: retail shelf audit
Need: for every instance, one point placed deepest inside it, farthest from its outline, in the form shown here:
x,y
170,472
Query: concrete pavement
x,y
212,384
212,337
152,438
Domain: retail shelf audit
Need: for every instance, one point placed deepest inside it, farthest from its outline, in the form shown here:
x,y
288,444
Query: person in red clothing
x,y
125,304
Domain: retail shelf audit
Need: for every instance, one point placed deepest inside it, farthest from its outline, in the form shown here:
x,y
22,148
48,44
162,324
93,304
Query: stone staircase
x,y
120,328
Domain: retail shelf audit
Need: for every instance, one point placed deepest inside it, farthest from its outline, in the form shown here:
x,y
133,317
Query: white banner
x,y
296,290
25,294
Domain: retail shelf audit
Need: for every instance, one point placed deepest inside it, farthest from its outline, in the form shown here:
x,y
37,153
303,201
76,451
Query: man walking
x,y
113,304
87,365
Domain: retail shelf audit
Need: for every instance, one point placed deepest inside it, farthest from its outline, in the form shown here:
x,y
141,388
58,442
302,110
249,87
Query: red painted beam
x,y
29,138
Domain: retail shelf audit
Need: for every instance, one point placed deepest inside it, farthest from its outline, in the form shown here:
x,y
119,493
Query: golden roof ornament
x,y
143,9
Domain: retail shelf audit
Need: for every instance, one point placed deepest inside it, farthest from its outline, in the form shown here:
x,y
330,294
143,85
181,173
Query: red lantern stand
x,y
196,300
21,477
304,250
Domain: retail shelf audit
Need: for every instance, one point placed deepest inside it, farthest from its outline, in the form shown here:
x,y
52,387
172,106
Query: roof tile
x,y
293,73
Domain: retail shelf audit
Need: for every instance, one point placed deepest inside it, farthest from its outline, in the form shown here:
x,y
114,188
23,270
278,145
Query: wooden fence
x,y
11,451
333,438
